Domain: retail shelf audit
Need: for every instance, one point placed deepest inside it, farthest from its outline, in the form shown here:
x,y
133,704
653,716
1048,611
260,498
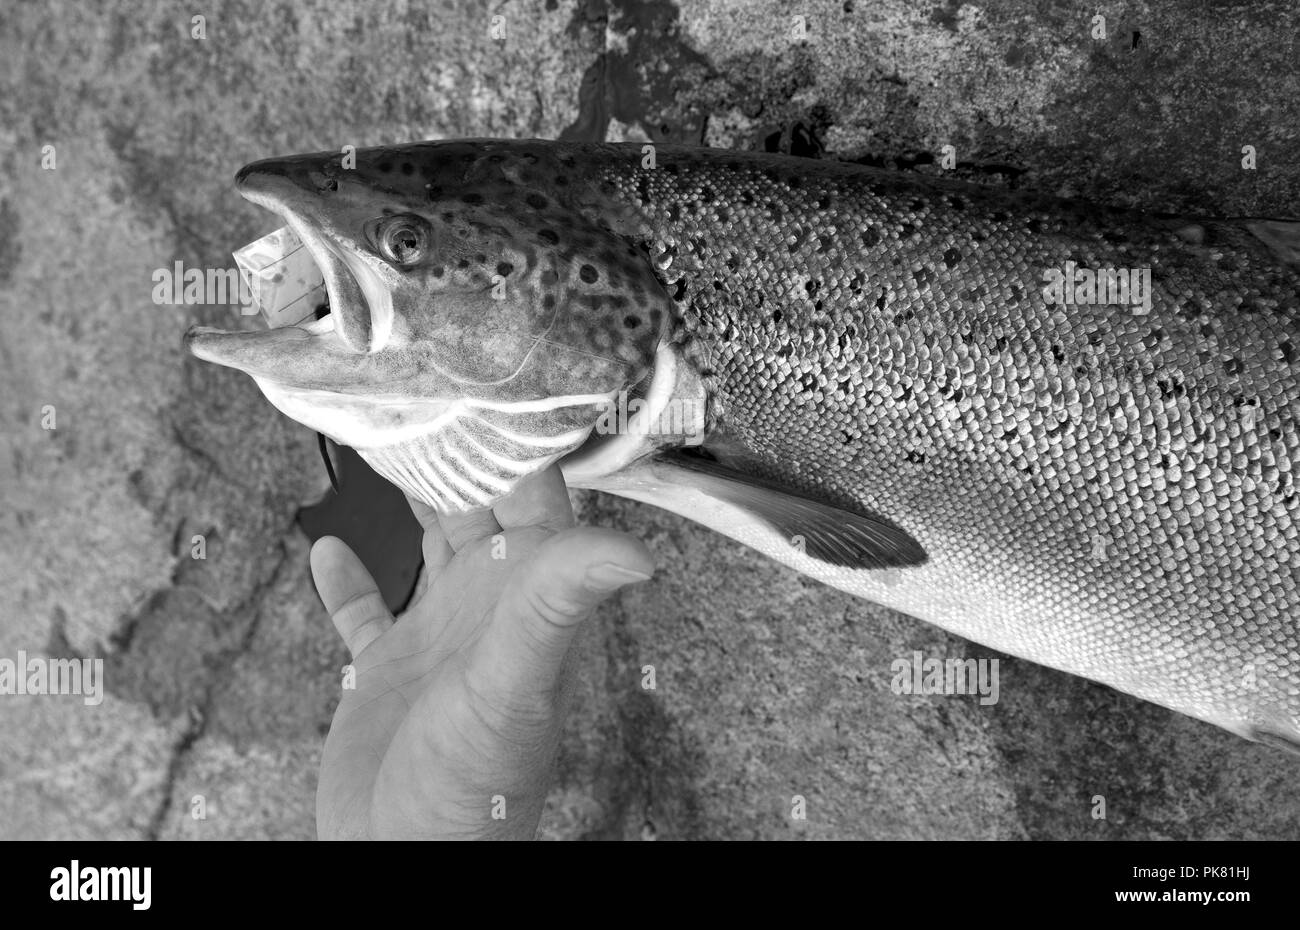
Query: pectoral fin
x,y
1281,236
834,535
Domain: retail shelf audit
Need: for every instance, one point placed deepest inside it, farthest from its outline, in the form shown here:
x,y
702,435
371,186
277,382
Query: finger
x,y
462,529
349,594
437,551
421,585
538,500
425,515
544,603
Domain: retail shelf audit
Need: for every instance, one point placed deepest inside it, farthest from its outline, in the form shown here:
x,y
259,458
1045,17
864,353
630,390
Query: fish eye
x,y
404,240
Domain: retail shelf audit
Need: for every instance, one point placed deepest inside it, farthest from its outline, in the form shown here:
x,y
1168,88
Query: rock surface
x,y
222,672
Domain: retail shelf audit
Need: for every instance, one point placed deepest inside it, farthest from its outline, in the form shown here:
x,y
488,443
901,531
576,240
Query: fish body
x,y
915,391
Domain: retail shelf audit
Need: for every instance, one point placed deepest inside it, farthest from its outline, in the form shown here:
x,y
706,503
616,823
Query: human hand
x,y
459,702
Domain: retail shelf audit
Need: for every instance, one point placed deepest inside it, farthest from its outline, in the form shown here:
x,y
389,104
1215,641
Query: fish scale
x,y
1119,484
893,404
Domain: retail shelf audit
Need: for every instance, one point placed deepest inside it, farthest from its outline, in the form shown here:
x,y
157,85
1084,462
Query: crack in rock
x,y
200,713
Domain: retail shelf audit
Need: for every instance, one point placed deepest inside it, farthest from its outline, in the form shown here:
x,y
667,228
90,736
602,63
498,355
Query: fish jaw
x,y
329,216
467,344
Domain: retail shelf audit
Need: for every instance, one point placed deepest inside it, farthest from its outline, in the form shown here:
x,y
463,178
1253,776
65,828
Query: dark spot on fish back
x,y
951,258
536,201
504,268
548,236
588,274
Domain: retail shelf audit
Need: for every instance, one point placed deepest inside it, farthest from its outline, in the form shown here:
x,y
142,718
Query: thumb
x,y
349,594
546,599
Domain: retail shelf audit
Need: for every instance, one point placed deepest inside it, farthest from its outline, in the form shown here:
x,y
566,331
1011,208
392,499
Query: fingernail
x,y
609,575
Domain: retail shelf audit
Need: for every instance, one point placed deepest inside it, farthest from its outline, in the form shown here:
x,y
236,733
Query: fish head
x,y
477,327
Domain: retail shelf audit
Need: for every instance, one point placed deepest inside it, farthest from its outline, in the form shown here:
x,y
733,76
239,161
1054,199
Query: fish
x,y
1065,431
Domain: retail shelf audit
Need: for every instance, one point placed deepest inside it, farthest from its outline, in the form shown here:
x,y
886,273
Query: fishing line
x,y
329,466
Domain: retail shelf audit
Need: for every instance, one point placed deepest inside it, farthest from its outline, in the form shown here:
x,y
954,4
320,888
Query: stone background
x,y
222,674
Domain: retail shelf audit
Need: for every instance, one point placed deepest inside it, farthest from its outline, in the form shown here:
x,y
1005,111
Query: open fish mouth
x,y
359,305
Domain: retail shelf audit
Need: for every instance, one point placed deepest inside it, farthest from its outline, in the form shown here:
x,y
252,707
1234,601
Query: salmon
x,y
1065,431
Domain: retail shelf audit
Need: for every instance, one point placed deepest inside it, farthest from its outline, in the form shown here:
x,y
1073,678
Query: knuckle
x,y
555,607
360,609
